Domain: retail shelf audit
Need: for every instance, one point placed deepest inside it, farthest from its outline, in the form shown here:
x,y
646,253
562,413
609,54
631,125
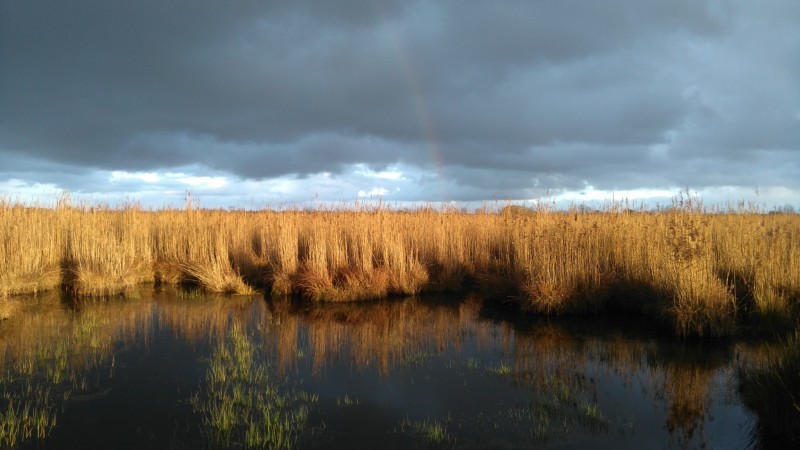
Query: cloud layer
x,y
469,100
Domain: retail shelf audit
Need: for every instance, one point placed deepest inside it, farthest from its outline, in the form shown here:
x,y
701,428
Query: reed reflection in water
x,y
396,373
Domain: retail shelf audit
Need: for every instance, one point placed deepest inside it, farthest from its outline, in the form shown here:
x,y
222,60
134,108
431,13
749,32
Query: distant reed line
x,y
699,273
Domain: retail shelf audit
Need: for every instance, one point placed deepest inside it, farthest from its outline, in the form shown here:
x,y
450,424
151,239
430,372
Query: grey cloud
x,y
566,93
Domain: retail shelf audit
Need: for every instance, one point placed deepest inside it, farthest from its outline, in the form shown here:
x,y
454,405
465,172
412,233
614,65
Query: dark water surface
x,y
178,370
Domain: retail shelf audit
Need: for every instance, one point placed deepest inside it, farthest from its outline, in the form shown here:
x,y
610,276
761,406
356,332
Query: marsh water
x,y
178,369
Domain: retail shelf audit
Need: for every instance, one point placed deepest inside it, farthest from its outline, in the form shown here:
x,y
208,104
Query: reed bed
x,y
700,271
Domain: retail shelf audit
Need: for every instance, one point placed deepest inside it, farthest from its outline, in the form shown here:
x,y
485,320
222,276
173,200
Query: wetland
x,y
175,368
365,326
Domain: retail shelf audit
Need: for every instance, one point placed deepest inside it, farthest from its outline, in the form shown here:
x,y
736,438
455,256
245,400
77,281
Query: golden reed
x,y
703,272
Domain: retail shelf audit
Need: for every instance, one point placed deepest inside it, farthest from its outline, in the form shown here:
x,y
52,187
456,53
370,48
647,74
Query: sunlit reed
x,y
698,271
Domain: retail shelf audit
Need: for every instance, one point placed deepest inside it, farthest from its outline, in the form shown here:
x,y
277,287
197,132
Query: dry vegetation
x,y
702,272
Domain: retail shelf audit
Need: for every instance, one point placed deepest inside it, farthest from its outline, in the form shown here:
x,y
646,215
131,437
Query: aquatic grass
x,y
25,416
501,369
415,359
347,401
557,407
242,405
53,353
431,432
592,417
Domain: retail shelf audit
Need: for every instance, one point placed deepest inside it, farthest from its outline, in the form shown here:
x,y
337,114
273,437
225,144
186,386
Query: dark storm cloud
x,y
512,97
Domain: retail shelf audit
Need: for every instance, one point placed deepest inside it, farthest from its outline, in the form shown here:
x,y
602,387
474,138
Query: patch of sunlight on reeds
x,y
697,270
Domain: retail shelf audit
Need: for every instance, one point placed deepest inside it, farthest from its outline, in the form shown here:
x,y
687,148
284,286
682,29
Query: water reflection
x,y
682,379
394,373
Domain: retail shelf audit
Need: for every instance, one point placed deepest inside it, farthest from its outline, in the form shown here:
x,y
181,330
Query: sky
x,y
264,103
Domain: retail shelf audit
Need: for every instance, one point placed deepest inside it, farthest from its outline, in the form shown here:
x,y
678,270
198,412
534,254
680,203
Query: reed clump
x,y
31,248
107,251
196,247
698,270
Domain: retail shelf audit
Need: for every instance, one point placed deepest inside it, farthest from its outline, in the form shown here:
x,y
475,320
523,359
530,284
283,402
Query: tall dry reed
x,y
106,251
31,248
701,272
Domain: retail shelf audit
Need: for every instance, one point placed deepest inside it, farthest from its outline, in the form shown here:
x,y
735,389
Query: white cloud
x,y
394,175
15,189
201,182
590,194
374,192
388,175
147,177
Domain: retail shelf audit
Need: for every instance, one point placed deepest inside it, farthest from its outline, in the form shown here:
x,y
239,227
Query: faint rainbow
x,y
421,109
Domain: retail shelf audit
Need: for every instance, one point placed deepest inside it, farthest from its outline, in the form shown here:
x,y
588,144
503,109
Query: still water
x,y
176,369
